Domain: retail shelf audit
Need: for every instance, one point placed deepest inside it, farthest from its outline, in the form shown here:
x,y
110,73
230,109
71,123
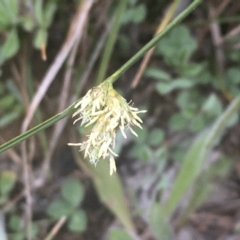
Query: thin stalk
x,y
111,41
37,128
112,79
153,42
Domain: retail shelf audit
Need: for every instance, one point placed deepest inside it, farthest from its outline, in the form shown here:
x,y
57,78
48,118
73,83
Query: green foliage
x,y
186,84
60,208
135,13
10,103
167,87
157,74
11,19
7,182
148,145
16,225
44,17
232,79
72,193
158,223
177,50
196,156
204,185
197,110
119,234
78,221
10,46
190,87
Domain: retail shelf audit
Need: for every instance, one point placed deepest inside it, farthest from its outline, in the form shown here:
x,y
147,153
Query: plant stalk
x,y
112,79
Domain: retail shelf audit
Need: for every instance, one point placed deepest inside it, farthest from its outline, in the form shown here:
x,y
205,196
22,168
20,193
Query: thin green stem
x,y
37,128
112,79
153,42
111,41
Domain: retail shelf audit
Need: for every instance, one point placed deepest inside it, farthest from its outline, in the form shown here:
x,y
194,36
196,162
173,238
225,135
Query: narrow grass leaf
x,y
195,158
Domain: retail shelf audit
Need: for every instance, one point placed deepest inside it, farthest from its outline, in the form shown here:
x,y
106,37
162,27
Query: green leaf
x,y
156,137
13,89
139,13
178,122
212,105
198,123
142,152
13,6
112,195
191,69
49,11
59,208
161,154
134,14
7,182
6,102
167,87
119,234
183,99
196,156
38,9
177,50
132,2
8,118
9,11
158,223
204,185
157,74
17,236
78,222
4,18
232,76
40,38
127,16
11,45
27,23
15,223
73,192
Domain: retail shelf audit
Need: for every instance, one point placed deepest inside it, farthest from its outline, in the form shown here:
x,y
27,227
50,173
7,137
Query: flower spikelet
x,y
105,111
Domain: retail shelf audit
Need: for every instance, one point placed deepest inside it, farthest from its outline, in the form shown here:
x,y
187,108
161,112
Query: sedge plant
x,y
104,109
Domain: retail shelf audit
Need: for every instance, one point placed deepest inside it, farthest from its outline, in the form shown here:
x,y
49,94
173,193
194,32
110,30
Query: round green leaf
x,y
73,192
78,222
59,208
139,13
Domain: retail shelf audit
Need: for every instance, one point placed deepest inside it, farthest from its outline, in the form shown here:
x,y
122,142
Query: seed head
x,y
105,111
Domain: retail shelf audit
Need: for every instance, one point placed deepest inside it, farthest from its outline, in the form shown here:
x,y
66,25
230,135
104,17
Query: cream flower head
x,y
106,111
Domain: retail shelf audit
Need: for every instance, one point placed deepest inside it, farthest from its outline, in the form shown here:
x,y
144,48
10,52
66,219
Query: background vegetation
x,y
179,179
